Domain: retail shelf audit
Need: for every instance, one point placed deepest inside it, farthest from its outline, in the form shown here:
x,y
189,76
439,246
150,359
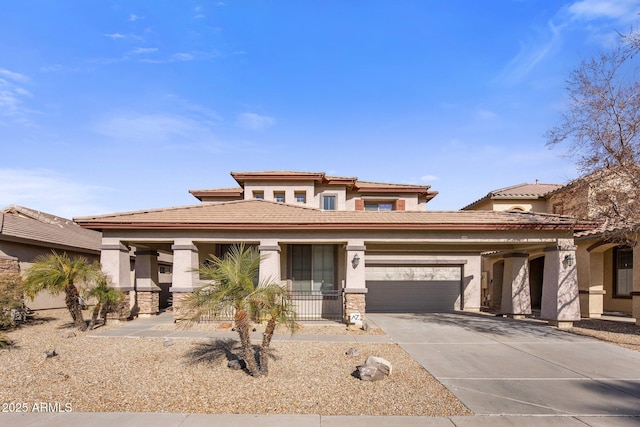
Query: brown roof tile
x,y
18,223
519,191
265,215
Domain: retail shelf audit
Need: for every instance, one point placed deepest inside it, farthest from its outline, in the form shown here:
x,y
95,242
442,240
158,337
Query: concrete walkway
x,y
508,372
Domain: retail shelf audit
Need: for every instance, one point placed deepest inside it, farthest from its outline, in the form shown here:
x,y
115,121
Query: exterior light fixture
x,y
355,261
569,259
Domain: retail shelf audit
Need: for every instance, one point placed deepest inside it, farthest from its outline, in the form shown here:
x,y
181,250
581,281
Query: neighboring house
x,y
372,246
608,281
522,197
26,234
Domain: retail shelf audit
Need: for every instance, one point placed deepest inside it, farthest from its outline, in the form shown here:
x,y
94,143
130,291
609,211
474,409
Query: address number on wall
x,y
354,317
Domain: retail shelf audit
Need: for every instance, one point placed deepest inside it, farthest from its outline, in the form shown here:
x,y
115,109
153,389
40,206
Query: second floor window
x,y
278,196
258,195
329,203
378,206
301,197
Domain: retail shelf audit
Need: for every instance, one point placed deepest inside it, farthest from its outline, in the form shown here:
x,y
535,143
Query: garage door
x,y
413,289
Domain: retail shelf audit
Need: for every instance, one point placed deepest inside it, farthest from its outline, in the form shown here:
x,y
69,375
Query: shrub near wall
x,y
11,296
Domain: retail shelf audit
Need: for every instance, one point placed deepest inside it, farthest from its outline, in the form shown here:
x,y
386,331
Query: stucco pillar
x,y
116,264
146,283
516,293
590,267
560,301
635,294
472,284
355,287
185,277
269,262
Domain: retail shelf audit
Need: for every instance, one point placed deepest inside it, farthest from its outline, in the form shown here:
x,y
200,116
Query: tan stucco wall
x,y
288,187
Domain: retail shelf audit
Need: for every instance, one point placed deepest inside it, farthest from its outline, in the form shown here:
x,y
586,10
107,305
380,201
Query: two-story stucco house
x,y
374,246
608,281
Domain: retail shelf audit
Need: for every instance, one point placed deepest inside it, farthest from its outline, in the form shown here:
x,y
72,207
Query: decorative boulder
x,y
374,369
168,342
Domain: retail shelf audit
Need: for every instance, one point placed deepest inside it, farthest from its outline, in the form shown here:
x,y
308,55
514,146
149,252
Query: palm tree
x,y
59,273
106,298
233,289
274,304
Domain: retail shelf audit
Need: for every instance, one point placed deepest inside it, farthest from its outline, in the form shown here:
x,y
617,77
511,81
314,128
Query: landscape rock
x,y
374,369
352,352
370,373
68,334
168,342
382,364
48,354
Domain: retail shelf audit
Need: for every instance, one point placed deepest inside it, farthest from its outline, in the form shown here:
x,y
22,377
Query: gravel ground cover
x,y
191,376
620,333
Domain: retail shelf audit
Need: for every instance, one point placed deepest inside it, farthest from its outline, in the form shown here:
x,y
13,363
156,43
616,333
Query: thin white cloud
x,y
16,77
13,95
133,17
115,36
588,10
484,114
163,131
428,178
49,192
253,121
55,68
144,50
530,55
182,57
598,19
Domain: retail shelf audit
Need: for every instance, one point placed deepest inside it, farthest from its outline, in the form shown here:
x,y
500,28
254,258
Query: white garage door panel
x,y
412,296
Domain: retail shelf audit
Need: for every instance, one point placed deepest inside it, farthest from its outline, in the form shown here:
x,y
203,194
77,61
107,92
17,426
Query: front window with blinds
x,y
313,268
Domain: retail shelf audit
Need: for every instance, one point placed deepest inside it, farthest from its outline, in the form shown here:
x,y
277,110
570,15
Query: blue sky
x,y
109,106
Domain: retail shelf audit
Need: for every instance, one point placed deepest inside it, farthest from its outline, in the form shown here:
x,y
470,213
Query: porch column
x,y
560,301
635,294
269,262
516,294
590,267
185,275
355,288
147,289
472,284
116,264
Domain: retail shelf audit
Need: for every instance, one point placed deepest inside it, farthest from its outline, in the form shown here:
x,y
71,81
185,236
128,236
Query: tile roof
x,y
266,215
22,224
519,191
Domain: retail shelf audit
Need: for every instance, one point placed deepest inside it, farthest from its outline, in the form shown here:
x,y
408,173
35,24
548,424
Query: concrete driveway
x,y
498,365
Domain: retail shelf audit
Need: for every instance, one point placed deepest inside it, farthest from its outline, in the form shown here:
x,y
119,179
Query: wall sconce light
x,y
569,259
355,261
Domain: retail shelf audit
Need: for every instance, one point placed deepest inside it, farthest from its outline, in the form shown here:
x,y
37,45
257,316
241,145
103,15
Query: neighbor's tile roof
x,y
266,215
519,191
30,226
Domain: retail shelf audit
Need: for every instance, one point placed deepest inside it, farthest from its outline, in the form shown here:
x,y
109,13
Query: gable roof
x,y
30,226
525,191
266,215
